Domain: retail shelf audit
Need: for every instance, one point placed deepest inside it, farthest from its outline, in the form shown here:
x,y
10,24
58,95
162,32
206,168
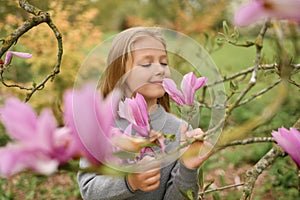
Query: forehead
x,y
147,42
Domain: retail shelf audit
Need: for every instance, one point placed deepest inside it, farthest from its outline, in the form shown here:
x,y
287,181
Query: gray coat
x,y
174,175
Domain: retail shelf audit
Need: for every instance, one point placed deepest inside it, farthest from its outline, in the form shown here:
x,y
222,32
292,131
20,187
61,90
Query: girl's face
x,y
148,68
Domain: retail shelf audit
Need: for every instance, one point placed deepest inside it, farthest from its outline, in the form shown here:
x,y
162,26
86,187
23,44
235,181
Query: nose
x,y
160,69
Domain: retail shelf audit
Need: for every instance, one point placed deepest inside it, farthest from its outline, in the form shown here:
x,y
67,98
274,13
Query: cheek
x,y
167,73
137,79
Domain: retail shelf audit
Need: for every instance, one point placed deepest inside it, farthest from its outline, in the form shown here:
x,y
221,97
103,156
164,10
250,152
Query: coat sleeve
x,y
97,187
184,179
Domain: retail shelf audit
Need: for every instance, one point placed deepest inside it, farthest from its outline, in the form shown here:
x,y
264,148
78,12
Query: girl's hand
x,y
195,154
146,181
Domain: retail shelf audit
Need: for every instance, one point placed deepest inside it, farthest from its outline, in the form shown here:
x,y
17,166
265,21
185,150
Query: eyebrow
x,y
150,56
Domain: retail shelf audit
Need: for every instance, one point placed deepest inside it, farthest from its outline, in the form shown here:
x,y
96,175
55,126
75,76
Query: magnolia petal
x,y
107,110
77,145
190,84
141,130
44,136
171,88
10,156
187,84
90,126
86,122
65,145
287,9
141,113
129,143
9,55
249,13
19,120
125,111
45,166
258,9
200,82
128,130
289,142
16,158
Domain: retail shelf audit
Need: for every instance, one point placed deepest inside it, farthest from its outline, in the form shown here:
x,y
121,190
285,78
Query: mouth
x,y
156,82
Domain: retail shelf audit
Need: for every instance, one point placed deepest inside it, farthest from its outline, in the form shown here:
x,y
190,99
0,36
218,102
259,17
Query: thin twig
x,y
250,141
57,65
258,45
253,96
243,73
221,188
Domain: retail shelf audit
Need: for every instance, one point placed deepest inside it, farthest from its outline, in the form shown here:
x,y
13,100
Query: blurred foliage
x,y
79,36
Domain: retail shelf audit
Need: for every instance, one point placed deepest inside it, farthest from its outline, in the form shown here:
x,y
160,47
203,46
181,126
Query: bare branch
x,y
267,160
26,26
253,96
243,73
221,188
253,173
250,141
40,17
29,8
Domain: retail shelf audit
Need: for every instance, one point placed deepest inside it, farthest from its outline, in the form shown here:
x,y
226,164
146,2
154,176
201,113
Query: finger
x,y
195,133
153,186
183,130
152,180
151,173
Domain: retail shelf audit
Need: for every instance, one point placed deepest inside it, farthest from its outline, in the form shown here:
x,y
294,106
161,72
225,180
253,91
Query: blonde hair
x,y
120,53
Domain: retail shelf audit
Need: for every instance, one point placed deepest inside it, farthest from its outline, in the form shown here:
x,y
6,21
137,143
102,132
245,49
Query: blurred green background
x,y
85,23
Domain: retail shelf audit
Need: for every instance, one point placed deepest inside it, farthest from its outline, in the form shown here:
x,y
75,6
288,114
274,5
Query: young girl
x,y
138,57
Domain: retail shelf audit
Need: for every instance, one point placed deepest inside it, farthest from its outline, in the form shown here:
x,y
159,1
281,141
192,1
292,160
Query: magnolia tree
x,y
39,144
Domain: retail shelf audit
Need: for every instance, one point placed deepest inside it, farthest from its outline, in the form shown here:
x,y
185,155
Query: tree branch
x,y
26,26
40,17
253,173
250,141
267,160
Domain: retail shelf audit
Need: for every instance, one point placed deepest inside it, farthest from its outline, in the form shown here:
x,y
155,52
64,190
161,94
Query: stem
x,y
253,96
250,141
221,188
243,73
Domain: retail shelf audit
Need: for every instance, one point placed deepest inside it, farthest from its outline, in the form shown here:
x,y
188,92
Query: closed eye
x,y
146,65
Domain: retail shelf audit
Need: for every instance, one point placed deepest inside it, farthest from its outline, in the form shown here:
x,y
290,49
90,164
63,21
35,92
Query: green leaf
x,y
216,196
171,137
236,32
225,28
34,84
207,186
201,178
189,194
233,86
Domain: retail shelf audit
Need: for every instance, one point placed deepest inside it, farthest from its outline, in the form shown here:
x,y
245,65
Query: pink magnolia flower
x,y
134,110
289,140
258,9
37,142
9,55
91,119
189,85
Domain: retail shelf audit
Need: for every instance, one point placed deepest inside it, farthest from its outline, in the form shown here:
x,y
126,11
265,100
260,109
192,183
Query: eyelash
x,y
149,64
